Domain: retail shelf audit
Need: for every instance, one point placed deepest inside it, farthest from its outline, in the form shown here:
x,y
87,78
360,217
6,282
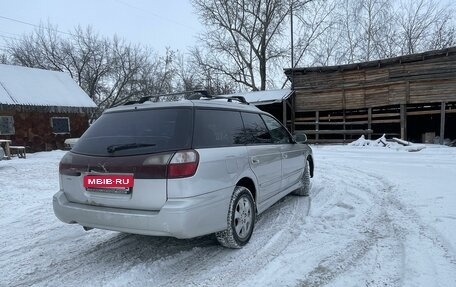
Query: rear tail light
x,y
178,165
158,166
183,164
154,167
66,166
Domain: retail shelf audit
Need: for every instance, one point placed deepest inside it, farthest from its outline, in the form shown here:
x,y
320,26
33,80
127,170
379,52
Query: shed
x,y
411,96
276,102
40,108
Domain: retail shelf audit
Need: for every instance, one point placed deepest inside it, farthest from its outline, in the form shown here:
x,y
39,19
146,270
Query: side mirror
x,y
300,138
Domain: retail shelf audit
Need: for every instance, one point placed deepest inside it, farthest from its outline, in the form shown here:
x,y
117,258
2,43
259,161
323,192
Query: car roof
x,y
213,103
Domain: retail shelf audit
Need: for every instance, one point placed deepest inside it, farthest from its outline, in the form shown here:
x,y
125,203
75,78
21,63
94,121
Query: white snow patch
x,y
383,142
373,218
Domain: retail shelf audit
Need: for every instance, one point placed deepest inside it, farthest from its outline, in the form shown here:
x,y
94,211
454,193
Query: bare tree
x,y
84,56
193,75
349,29
187,74
245,46
125,64
161,73
243,38
314,20
374,18
424,24
444,33
110,71
326,50
4,59
364,30
87,59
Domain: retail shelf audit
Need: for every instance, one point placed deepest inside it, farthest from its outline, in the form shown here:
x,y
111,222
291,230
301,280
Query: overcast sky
x,y
156,23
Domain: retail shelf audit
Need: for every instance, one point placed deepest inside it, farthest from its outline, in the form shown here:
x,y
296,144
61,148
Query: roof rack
x,y
228,98
156,97
240,99
190,95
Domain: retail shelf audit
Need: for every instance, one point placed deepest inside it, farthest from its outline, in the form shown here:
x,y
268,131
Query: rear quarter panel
x,y
218,168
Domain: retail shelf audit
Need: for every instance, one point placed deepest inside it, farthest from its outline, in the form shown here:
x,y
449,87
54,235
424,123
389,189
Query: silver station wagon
x,y
185,168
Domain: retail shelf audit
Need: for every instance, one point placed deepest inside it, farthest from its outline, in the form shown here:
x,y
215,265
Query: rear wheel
x,y
241,219
306,183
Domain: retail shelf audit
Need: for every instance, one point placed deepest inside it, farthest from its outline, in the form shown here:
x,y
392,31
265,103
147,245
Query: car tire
x,y
241,219
304,190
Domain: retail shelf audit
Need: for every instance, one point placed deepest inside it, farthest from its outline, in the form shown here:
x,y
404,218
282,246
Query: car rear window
x,y
138,132
218,128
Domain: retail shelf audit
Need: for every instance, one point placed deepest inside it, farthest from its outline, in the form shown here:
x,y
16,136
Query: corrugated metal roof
x,y
377,63
37,87
265,97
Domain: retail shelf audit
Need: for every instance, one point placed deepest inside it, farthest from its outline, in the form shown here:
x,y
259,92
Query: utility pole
x,y
292,98
292,44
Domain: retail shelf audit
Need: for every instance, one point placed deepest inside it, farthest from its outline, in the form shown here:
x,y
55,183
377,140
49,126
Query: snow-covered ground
x,y
375,217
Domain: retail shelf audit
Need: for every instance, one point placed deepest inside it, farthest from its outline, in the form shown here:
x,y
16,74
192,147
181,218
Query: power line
x,y
34,25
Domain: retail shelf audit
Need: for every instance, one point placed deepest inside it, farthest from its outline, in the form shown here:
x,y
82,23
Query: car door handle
x,y
284,155
255,161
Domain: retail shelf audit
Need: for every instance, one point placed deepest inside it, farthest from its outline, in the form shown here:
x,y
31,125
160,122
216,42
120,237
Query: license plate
x,y
122,182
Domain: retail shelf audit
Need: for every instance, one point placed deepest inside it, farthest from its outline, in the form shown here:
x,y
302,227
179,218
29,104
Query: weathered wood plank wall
x,y
423,78
377,97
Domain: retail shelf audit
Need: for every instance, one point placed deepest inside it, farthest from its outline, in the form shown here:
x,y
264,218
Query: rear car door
x,y
265,158
292,154
217,138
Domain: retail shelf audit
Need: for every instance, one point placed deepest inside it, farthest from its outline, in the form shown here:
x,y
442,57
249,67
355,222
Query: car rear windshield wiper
x,y
113,148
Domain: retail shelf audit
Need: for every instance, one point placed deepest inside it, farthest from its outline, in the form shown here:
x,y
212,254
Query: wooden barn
x,y
412,97
39,109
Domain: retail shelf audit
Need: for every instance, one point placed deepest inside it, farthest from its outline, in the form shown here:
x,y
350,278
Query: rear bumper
x,y
180,218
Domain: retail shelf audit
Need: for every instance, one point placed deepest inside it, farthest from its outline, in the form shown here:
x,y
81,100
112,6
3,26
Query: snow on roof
x,y
265,97
37,87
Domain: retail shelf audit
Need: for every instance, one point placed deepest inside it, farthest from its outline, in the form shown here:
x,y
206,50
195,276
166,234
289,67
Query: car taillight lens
x,y
66,165
154,167
158,166
183,164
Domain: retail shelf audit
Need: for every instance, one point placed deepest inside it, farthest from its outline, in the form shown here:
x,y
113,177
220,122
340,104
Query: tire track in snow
x,y
395,226
401,211
350,223
216,265
102,259
425,243
274,232
374,224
